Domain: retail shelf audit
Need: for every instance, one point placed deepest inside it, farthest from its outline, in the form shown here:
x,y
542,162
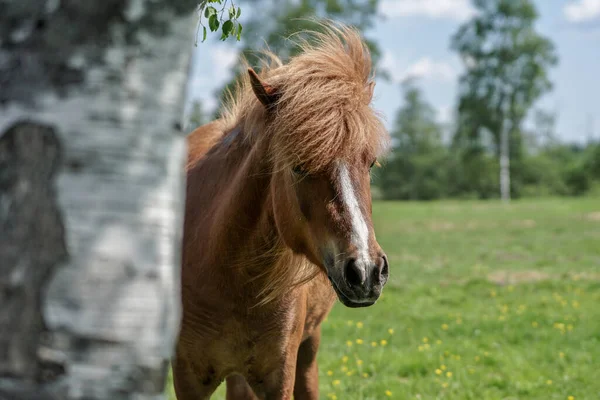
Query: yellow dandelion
x,y
425,340
561,354
359,324
502,318
365,375
510,288
449,374
438,342
534,324
374,344
446,353
492,293
329,373
438,371
571,398
359,341
471,371
350,322
457,357
549,382
359,362
443,367
477,358
421,348
383,342
459,321
350,373
486,353
575,304
349,343
445,327
344,368
336,382
391,330
345,359
445,385
334,397
570,327
388,393
426,346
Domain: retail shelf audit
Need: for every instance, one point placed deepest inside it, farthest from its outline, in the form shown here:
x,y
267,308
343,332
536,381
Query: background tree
x,y
413,171
507,64
197,116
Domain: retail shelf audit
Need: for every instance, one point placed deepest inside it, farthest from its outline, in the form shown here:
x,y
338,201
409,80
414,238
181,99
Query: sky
x,y
414,36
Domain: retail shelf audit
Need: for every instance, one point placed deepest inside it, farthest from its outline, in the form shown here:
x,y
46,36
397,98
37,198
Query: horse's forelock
x,y
323,111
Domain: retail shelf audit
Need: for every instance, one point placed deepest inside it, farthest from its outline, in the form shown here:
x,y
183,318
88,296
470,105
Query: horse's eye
x,y
298,170
373,164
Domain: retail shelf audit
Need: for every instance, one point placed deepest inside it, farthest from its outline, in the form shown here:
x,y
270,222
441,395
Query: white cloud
x,y
430,69
582,10
424,68
458,10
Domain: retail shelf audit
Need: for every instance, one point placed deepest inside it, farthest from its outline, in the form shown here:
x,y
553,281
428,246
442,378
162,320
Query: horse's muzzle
x,y
360,282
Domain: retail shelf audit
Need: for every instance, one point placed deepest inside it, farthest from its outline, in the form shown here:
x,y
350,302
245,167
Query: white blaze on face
x,y
360,230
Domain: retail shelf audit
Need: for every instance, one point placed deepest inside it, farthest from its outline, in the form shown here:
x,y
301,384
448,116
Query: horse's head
x,y
323,139
326,216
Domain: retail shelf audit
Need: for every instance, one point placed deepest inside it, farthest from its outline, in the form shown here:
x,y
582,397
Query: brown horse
x,y
278,201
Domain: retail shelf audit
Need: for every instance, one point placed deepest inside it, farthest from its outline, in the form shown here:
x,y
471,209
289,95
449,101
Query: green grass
x,y
485,301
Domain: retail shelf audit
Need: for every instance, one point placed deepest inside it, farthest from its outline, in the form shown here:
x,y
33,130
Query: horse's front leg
x,y
279,383
306,386
274,380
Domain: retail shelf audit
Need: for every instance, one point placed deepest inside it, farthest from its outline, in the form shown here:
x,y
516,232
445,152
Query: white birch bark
x,y
111,311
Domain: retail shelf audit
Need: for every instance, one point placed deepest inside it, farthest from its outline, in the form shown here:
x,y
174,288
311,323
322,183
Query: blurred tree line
x,y
486,152
424,166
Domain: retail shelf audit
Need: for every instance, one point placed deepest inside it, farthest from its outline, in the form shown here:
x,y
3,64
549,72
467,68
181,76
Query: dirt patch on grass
x,y
516,277
508,256
524,223
593,216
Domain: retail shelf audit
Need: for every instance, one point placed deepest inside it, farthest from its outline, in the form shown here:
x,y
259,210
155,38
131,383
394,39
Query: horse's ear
x,y
370,89
265,93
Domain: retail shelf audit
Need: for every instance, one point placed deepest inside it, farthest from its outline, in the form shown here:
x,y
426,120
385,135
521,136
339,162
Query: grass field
x,y
485,301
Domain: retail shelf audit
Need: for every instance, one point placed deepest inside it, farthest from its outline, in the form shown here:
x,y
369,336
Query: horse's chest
x,y
247,345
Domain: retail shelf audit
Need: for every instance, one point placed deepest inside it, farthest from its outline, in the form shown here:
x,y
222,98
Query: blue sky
x,y
415,35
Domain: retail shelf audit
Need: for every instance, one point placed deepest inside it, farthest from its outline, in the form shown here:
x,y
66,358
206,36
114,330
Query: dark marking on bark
x,y
32,246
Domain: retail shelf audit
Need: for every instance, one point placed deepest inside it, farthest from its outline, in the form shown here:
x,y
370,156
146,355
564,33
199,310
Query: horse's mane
x,y
323,111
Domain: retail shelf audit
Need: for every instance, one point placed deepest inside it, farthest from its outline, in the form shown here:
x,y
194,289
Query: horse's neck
x,y
229,210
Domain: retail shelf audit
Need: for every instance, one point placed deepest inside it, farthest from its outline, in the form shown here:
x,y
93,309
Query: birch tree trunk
x,y
91,200
505,162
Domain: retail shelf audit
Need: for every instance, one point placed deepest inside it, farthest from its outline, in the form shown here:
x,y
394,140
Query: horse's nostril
x,y
354,275
385,269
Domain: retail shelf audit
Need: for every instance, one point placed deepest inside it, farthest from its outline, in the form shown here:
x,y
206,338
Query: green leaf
x,y
210,11
227,28
203,33
239,31
239,12
231,12
213,22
